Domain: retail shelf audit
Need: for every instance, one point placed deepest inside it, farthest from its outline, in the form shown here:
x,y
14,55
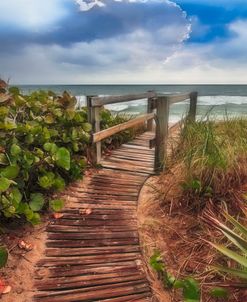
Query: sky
x,y
123,42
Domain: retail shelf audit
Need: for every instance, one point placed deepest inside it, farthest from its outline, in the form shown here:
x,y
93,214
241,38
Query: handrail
x,y
99,136
173,99
159,102
105,100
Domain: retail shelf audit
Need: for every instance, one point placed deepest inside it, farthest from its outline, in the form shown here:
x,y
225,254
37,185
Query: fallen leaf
x,y
7,289
85,212
25,246
2,286
88,211
57,215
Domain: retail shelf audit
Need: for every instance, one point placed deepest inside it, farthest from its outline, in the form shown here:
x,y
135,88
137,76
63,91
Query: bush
x,y
43,146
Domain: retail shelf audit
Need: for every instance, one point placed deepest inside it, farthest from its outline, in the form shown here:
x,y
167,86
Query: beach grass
x,y
213,153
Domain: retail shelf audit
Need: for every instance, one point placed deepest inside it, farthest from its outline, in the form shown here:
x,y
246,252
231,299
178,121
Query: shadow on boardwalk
x,y
93,251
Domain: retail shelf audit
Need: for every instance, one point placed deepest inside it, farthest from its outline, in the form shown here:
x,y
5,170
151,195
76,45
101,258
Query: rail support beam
x,y
94,120
193,106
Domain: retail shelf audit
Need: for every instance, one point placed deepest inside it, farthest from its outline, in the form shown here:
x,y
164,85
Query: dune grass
x,y
214,154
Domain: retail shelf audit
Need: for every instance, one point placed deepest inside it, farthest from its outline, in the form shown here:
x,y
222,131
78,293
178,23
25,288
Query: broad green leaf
x,y
10,172
3,159
87,127
50,147
56,204
5,184
47,180
15,150
28,213
16,194
219,292
37,202
3,257
229,253
36,219
63,158
49,119
191,290
178,284
59,183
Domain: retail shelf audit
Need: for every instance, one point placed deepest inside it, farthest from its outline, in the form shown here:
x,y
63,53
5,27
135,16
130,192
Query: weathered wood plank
x,y
92,293
103,134
53,252
101,101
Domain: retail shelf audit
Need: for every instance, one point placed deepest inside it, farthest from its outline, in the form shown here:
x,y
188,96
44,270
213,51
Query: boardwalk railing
x,y
158,107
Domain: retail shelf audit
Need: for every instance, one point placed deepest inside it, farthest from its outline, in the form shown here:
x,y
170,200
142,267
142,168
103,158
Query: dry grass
x,y
171,216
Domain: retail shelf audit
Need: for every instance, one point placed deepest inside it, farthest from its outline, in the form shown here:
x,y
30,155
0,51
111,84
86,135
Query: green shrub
x,y
43,146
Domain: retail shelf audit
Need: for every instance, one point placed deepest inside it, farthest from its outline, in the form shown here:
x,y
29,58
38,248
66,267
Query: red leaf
x,y
57,215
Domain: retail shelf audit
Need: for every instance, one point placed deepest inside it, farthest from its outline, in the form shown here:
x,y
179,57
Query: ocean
x,y
215,101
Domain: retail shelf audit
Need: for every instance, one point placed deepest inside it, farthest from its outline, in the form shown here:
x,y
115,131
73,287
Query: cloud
x,y
103,38
31,15
223,61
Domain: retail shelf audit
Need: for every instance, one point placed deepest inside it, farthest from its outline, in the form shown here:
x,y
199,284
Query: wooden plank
x,y
96,235
92,293
100,135
84,281
101,101
91,243
172,99
95,223
54,252
91,269
84,260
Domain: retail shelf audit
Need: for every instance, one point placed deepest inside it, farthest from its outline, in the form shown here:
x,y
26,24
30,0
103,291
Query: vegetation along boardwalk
x,y
93,251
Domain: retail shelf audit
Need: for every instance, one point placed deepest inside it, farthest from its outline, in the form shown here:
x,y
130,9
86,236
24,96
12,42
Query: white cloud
x,y
31,14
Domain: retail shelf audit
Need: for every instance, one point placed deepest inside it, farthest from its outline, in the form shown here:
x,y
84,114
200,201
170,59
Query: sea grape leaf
x,y
46,181
35,219
10,172
59,183
56,204
3,159
87,127
15,150
37,202
16,195
3,257
5,184
63,158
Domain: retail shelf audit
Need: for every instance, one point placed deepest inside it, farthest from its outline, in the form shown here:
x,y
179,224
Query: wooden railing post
x,y
150,109
94,119
193,106
162,122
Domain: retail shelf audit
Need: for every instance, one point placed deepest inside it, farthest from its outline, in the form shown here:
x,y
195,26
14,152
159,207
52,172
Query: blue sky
x,y
131,41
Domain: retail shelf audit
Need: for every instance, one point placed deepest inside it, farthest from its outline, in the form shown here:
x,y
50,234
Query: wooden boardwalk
x,y
93,251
